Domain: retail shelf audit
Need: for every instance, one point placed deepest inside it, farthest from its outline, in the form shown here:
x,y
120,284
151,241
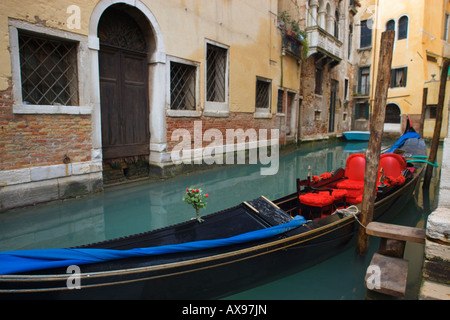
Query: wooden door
x,y
123,90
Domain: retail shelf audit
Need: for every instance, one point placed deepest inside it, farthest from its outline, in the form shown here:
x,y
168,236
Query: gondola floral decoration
x,y
197,199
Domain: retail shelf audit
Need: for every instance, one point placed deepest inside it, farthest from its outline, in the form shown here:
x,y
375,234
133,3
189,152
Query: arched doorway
x,y
392,121
124,90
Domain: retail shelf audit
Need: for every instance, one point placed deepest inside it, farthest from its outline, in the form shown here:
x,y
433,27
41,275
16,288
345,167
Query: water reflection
x,y
129,209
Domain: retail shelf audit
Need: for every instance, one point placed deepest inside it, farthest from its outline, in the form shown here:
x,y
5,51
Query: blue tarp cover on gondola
x,y
12,262
402,139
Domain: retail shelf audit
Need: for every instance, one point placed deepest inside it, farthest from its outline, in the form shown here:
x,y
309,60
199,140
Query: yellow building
x,y
421,44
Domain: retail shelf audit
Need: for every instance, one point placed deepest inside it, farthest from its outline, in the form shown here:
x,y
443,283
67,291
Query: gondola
x,y
232,250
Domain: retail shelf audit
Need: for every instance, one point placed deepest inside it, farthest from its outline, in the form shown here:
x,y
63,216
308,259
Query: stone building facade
x,y
94,92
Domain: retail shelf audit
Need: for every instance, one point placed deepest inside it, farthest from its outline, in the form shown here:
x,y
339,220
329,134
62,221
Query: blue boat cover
x,y
402,139
13,262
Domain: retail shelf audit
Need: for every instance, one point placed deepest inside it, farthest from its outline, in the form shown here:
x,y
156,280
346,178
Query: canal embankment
x,y
436,267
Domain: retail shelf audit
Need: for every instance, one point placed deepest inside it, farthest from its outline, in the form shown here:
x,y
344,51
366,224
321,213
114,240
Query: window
x,y
392,114
319,80
280,101
446,26
216,61
403,28
262,100
390,25
336,24
366,34
48,70
182,86
364,81
398,77
362,111
346,84
350,40
430,111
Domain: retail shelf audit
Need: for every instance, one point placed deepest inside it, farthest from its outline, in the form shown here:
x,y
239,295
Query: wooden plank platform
x,y
396,232
392,273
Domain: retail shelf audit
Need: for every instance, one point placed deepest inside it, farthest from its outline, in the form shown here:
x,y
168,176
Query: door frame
x,y
156,75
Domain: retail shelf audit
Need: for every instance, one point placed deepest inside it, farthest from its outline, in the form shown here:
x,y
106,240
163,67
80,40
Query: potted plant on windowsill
x,y
292,31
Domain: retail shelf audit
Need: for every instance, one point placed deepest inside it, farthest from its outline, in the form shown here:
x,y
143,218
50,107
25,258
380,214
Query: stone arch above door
x,y
393,118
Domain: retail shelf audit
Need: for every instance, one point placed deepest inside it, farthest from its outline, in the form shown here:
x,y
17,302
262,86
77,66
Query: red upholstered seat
x,y
393,166
322,198
355,168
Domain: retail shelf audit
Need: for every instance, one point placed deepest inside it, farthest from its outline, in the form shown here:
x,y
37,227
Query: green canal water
x,y
139,207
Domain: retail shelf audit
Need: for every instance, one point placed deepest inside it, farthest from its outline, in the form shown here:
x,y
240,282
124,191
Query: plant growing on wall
x,y
292,28
197,199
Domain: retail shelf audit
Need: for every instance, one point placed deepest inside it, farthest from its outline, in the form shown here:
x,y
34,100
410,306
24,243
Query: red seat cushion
x,y
322,198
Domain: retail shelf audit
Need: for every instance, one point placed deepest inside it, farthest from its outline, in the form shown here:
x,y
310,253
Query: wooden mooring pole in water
x,y
376,134
438,125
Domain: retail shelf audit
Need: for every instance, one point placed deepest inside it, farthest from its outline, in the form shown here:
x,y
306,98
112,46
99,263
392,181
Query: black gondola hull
x,y
207,274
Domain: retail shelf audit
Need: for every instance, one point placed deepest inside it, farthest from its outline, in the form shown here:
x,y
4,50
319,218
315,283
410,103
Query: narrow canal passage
x,y
139,207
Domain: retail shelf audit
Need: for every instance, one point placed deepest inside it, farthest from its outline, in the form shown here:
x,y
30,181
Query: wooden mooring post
x,y
376,134
438,125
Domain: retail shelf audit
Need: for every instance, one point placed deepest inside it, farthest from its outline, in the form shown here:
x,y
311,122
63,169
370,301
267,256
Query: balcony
x,y
361,91
323,43
292,44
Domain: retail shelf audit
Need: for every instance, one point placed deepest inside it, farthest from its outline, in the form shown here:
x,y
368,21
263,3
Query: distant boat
x,y
357,135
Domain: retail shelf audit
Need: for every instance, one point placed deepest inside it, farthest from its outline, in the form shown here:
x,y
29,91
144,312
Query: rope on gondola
x,y
351,211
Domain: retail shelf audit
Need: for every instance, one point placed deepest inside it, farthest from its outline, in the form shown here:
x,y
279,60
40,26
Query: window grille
x,y
216,60
182,86
262,94
280,101
48,70
393,114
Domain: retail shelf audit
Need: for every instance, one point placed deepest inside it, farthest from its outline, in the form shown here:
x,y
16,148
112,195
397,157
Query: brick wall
x,y
39,140
236,120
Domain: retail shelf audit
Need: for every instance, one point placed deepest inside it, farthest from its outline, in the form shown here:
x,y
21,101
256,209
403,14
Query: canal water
x,y
142,206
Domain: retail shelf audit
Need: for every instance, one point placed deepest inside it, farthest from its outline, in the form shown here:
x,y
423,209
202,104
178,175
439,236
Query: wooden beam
x,y
376,134
438,125
396,232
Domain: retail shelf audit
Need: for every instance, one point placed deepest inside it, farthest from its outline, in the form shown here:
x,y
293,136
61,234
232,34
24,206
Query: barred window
x,y
216,62
280,101
262,94
48,70
182,86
